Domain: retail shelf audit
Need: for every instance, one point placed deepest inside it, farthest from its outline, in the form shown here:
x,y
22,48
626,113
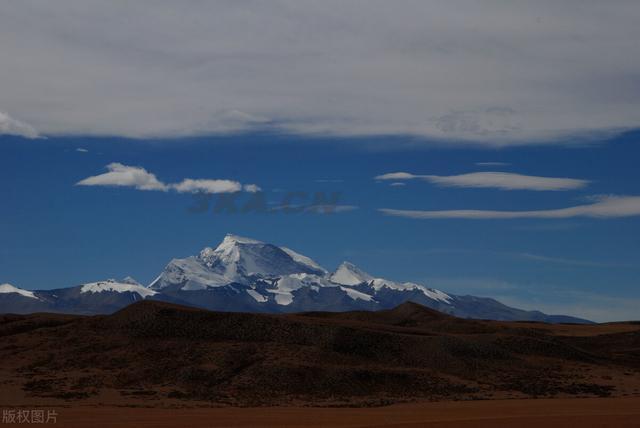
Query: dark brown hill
x,y
155,353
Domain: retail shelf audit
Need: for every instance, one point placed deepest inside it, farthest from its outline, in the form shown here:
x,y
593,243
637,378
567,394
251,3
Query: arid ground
x,y
548,413
155,364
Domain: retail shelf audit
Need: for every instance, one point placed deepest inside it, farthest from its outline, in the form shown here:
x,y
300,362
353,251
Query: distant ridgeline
x,y
245,275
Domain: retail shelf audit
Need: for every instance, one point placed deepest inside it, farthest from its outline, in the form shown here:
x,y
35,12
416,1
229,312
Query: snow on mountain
x,y
236,260
246,275
129,280
190,274
285,287
303,259
241,257
349,274
257,296
111,285
357,295
10,289
273,274
431,293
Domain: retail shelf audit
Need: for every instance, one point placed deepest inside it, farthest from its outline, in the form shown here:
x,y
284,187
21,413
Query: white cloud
x,y
82,150
507,181
397,176
491,122
251,188
501,73
397,184
11,126
603,207
189,185
497,180
125,176
139,178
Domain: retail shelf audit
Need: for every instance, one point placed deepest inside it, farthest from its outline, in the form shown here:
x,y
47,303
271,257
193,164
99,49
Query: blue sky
x,y
58,234
510,129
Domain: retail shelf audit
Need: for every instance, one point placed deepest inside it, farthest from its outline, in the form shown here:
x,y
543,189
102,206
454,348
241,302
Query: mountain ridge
x,y
247,275
162,354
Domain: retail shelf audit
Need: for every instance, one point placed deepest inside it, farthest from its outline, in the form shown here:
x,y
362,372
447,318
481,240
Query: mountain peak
x,y
235,260
349,274
8,288
231,239
130,280
227,249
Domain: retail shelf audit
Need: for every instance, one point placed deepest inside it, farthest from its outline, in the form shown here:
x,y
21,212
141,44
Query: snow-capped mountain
x,y
236,260
99,297
128,285
243,274
10,289
349,274
91,298
23,301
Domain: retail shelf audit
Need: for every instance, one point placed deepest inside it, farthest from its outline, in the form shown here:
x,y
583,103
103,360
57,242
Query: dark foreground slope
x,y
155,353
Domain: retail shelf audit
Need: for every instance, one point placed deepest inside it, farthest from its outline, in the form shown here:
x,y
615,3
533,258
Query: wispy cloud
x,y
251,188
603,207
189,185
495,180
120,175
570,262
11,126
526,256
398,176
82,150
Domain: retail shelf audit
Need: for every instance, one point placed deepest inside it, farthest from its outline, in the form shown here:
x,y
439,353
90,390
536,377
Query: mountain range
x,y
246,275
